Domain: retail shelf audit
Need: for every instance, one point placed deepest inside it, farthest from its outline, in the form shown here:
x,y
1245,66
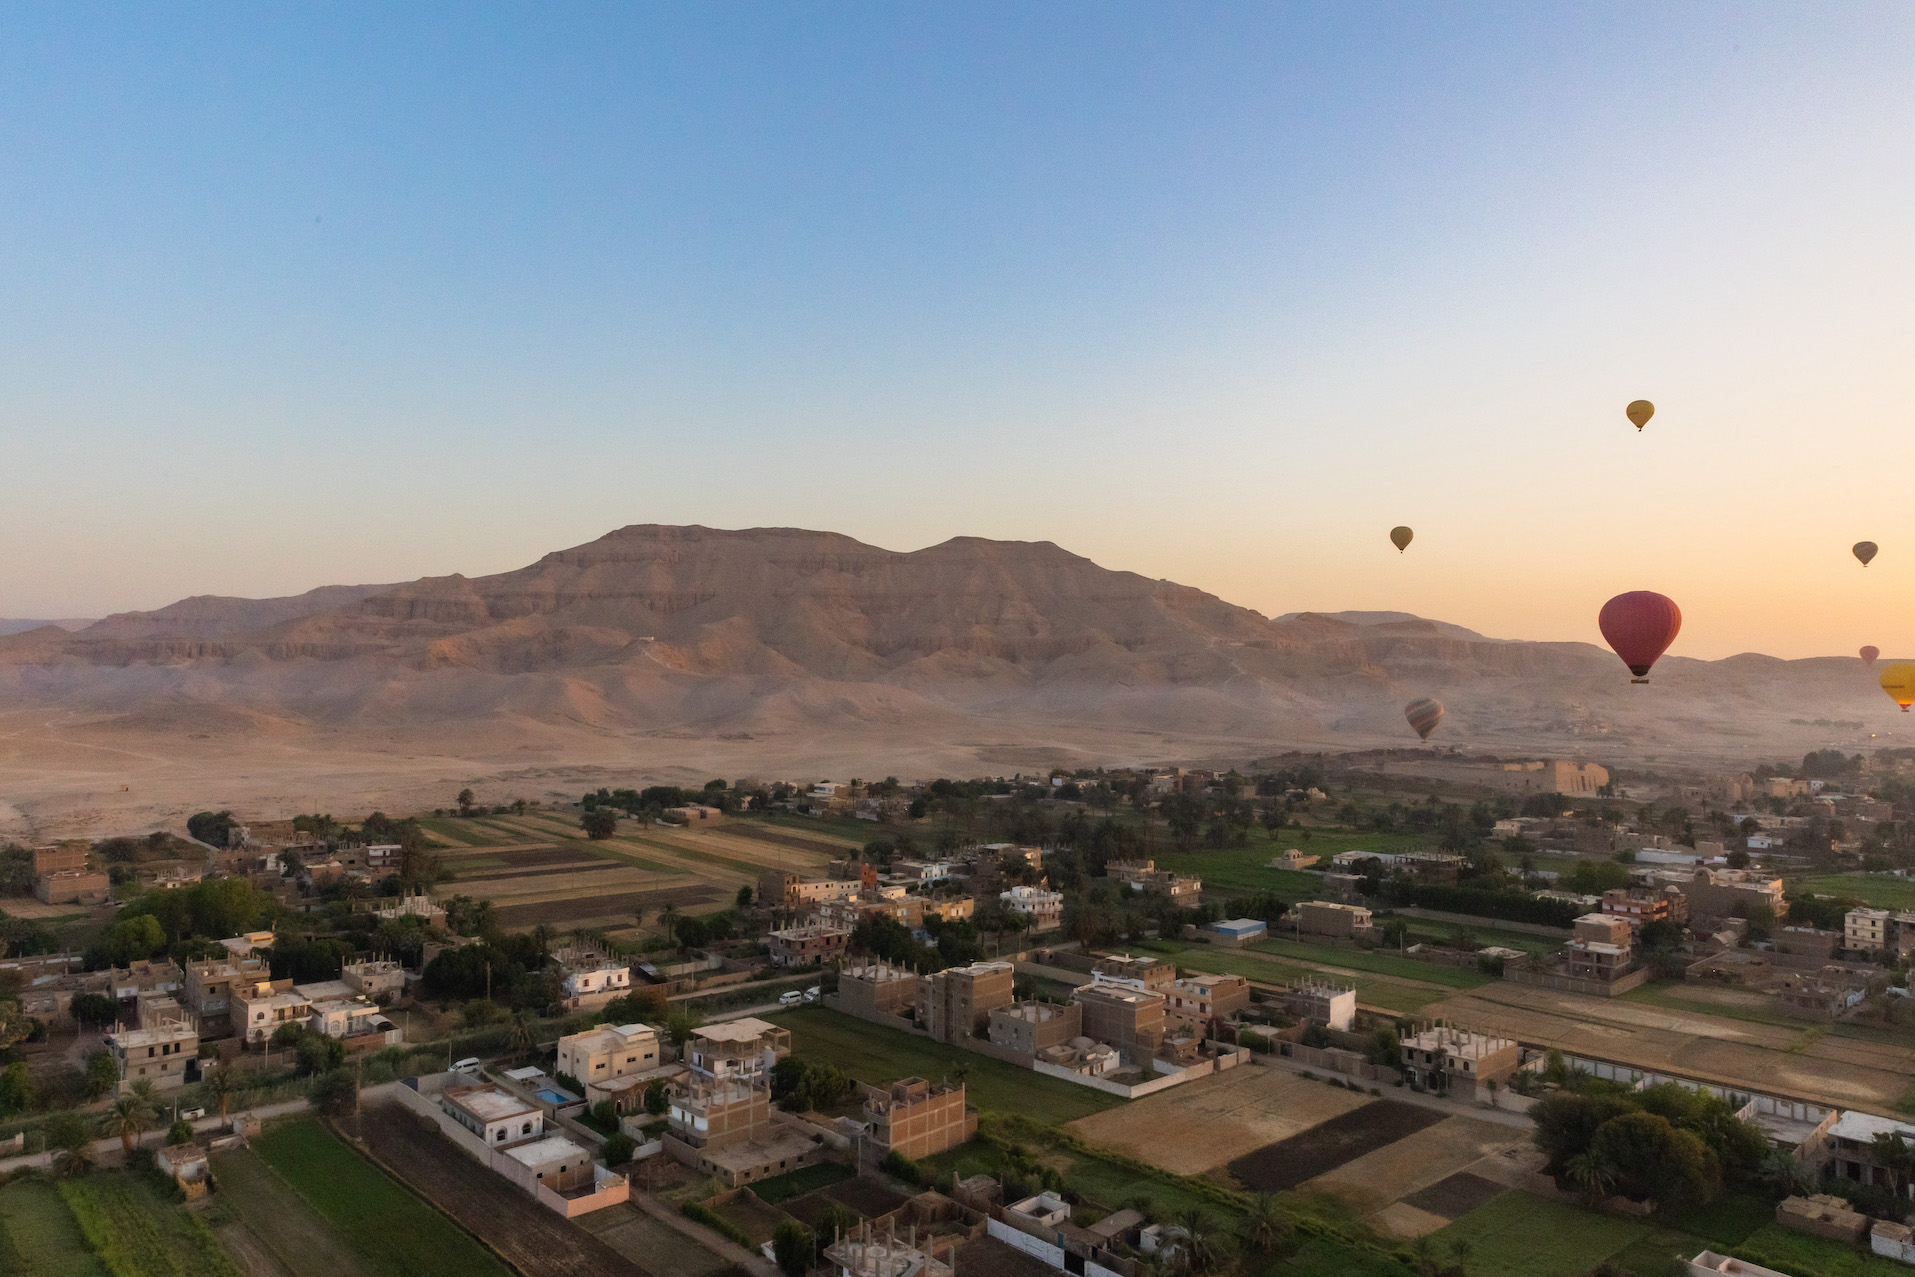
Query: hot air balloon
x,y
1898,680
1640,626
1400,537
1869,654
1424,714
1639,412
1865,550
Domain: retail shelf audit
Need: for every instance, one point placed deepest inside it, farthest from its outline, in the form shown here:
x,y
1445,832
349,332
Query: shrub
x,y
700,1213
618,1149
180,1132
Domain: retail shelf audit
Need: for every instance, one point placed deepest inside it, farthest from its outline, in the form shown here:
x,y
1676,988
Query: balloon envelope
x,y
1640,411
1400,537
1424,714
1865,550
1640,626
1869,654
1898,680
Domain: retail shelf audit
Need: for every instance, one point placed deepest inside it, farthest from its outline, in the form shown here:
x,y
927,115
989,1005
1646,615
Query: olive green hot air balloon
x,y
1401,537
1865,550
1424,713
1639,412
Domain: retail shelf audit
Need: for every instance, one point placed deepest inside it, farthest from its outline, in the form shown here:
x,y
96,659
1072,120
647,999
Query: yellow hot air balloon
x,y
1898,680
1639,412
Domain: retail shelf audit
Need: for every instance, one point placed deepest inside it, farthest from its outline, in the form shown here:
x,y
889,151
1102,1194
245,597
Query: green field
x,y
43,1234
1247,869
1774,1246
136,1233
878,1055
1669,996
799,1182
397,1233
1517,1235
1881,891
1253,965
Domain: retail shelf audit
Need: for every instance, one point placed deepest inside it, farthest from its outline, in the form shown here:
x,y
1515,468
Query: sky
x,y
304,294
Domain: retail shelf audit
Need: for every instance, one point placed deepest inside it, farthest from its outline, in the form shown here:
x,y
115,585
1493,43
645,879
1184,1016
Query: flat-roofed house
x,y
1122,1016
551,1161
1331,918
259,1009
591,985
954,1003
1457,1061
493,1114
159,1050
609,1051
374,978
1199,998
916,1118
809,945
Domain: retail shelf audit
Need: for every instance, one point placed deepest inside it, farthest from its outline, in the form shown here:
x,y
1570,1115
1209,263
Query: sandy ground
x,y
61,776
1193,1128
1825,1069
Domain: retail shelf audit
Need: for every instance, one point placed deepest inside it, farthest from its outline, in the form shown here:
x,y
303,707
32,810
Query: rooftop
x,y
746,1030
1864,1127
488,1103
552,1148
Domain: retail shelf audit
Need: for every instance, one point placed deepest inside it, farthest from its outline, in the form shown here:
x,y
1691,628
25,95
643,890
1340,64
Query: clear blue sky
x,y
292,295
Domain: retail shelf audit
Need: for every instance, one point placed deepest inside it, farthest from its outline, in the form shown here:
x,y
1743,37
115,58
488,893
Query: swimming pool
x,y
550,1096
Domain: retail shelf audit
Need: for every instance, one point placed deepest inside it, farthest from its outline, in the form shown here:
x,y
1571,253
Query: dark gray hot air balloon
x,y
1400,538
1424,714
1865,550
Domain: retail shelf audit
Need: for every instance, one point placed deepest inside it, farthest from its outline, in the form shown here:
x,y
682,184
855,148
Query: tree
x,y
336,1094
680,1024
522,1034
1654,1159
17,1091
791,1247
129,1117
1594,1176
618,1149
102,1074
466,798
180,1132
94,1008
222,1083
744,896
599,823
1265,1226
1203,1249
317,1053
70,1136
658,1097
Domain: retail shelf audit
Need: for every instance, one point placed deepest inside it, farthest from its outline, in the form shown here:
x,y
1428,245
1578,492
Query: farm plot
x,y
1201,1125
1420,1159
588,910
1328,1145
290,1230
396,1233
137,1234
41,1233
534,1240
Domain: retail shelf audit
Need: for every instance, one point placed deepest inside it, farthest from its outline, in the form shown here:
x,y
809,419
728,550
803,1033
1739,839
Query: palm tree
x,y
1201,1251
130,1117
1265,1226
482,916
668,918
522,1034
222,1083
354,891
1592,1174
1460,1250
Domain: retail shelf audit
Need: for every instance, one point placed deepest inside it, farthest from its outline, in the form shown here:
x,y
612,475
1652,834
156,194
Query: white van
x,y
812,994
470,1062
192,1115
792,999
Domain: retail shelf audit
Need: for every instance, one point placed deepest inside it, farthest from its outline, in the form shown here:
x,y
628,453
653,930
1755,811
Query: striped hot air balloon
x,y
1424,714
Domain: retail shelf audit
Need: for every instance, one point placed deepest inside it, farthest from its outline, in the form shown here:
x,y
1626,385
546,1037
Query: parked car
x,y
812,994
192,1115
792,999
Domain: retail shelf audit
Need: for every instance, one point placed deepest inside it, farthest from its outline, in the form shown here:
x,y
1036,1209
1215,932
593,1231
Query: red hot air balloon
x,y
1424,714
1640,626
1869,654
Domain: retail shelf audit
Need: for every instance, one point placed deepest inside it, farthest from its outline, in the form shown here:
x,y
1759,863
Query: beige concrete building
x,y
782,889
1044,907
258,1009
592,984
808,946
1200,998
950,908
207,990
375,979
1153,975
1322,1003
955,1003
493,1113
553,1162
72,887
1034,1027
1882,931
609,1051
159,1049
876,989
1457,1061
1726,893
737,1050
1126,1018
1642,905
916,1118
1329,918
1143,875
